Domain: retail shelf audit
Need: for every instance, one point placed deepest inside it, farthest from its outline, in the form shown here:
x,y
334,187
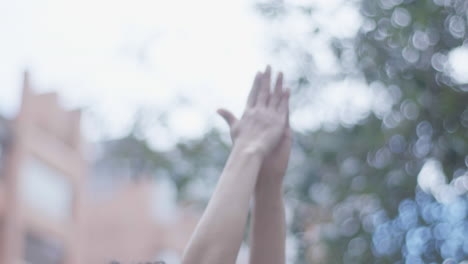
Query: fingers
x,y
260,94
228,116
254,91
264,93
283,106
279,84
276,97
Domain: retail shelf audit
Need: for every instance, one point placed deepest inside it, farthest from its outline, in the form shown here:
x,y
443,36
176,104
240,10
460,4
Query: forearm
x,y
219,234
268,229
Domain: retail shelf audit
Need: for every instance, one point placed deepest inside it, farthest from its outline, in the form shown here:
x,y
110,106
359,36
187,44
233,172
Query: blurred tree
x,y
356,184
387,187
189,163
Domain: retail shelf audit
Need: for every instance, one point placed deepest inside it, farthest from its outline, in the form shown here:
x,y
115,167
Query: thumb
x,y
228,116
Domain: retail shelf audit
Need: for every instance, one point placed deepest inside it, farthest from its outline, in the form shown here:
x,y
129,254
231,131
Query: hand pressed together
x,y
264,124
267,235
263,130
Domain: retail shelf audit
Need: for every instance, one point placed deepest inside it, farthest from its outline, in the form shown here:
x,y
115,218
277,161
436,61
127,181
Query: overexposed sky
x,y
112,57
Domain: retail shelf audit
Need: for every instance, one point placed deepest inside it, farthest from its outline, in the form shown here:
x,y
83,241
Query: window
x,y
3,153
46,189
4,141
2,236
2,159
40,250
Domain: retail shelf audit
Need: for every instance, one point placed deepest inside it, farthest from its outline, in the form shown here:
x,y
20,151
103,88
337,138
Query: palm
x,y
275,164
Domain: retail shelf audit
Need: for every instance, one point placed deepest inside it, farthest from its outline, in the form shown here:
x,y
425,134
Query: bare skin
x,y
256,167
268,229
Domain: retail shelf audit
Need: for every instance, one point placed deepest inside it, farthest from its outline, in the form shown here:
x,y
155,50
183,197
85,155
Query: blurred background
x,y
110,146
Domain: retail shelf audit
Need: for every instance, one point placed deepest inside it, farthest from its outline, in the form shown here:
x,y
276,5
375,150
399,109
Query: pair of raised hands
x,y
264,126
257,165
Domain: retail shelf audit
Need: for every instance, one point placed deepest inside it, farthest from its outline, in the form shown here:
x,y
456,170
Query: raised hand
x,y
275,164
268,229
256,135
264,123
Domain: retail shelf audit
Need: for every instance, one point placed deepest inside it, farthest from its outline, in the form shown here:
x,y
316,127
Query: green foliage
x,y
354,188
132,158
358,177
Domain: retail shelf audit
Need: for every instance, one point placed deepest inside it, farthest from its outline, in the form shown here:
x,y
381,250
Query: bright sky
x,y
112,57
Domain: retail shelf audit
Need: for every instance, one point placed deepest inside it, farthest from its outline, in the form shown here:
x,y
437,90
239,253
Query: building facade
x,y
48,215
41,182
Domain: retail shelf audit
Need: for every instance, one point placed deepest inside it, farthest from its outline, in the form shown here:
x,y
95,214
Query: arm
x,y
219,233
268,228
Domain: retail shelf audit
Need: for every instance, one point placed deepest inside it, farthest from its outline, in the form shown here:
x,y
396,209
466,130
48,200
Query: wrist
x,y
249,148
268,193
267,184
